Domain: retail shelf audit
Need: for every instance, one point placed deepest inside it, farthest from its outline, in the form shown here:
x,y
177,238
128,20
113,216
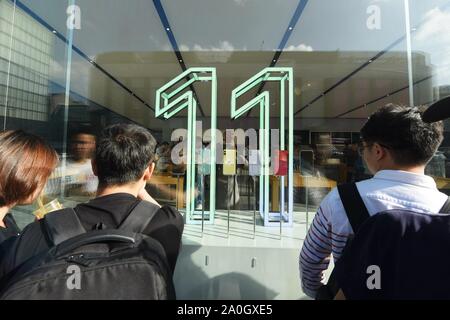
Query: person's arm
x,y
315,254
167,227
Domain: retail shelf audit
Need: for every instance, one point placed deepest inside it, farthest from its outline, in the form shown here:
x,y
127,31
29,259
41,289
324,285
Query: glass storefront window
x,y
348,58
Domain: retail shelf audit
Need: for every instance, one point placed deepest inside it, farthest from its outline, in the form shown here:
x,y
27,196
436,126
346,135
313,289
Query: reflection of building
x,y
444,91
29,66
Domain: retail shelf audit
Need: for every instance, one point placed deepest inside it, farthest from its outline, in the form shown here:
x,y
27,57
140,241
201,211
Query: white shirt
x,y
328,234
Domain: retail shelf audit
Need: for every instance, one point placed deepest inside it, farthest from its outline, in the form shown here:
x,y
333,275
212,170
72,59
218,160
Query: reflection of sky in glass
x,y
117,25
245,25
433,36
342,26
248,25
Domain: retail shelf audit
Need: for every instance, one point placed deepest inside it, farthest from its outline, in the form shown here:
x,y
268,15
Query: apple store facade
x,y
256,106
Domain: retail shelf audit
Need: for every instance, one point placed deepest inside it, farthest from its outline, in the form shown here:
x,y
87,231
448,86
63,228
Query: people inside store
x,y
80,179
123,162
162,158
396,145
26,162
75,177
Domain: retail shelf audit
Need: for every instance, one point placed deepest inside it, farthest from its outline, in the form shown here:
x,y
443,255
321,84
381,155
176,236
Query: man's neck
x,y
80,161
416,170
130,189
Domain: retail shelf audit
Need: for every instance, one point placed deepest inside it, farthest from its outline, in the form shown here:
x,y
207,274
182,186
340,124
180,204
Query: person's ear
x,y
378,151
94,167
149,171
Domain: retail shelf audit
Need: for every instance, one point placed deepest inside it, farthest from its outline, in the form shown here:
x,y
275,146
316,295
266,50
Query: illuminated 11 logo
x,y
176,98
284,76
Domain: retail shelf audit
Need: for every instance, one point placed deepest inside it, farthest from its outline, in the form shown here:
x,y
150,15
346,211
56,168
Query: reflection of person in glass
x,y
162,158
80,179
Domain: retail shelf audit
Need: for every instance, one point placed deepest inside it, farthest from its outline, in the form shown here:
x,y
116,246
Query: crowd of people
x,y
394,223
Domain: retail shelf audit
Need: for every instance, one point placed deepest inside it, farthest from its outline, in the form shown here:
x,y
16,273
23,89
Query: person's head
x,y
26,162
124,155
82,144
396,137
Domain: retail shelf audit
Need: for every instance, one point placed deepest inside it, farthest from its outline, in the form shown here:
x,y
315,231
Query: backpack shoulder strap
x,y
353,204
139,217
446,207
62,225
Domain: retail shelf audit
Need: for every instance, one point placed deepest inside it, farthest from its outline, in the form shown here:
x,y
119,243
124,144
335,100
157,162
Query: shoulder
x,y
333,210
402,221
331,199
166,216
17,250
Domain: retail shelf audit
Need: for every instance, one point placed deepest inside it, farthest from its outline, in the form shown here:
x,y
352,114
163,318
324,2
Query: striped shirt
x,y
330,229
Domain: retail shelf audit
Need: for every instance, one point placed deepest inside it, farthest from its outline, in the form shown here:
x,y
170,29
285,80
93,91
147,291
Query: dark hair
x,y
82,129
410,140
123,152
26,162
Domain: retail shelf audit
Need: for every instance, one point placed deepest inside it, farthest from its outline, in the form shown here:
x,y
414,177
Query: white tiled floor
x,y
241,264
241,231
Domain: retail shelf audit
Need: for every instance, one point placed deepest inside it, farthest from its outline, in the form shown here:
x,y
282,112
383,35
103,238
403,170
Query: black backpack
x,y
107,264
357,214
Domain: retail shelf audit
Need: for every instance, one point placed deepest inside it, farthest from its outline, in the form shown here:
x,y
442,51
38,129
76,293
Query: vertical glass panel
x,y
431,40
38,61
348,57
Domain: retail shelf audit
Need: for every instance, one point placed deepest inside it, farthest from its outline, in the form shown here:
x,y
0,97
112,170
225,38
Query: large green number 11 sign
x,y
284,77
175,99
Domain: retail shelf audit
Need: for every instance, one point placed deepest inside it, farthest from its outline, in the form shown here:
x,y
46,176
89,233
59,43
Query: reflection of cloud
x,y
437,24
223,46
79,73
220,53
433,37
300,47
184,47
